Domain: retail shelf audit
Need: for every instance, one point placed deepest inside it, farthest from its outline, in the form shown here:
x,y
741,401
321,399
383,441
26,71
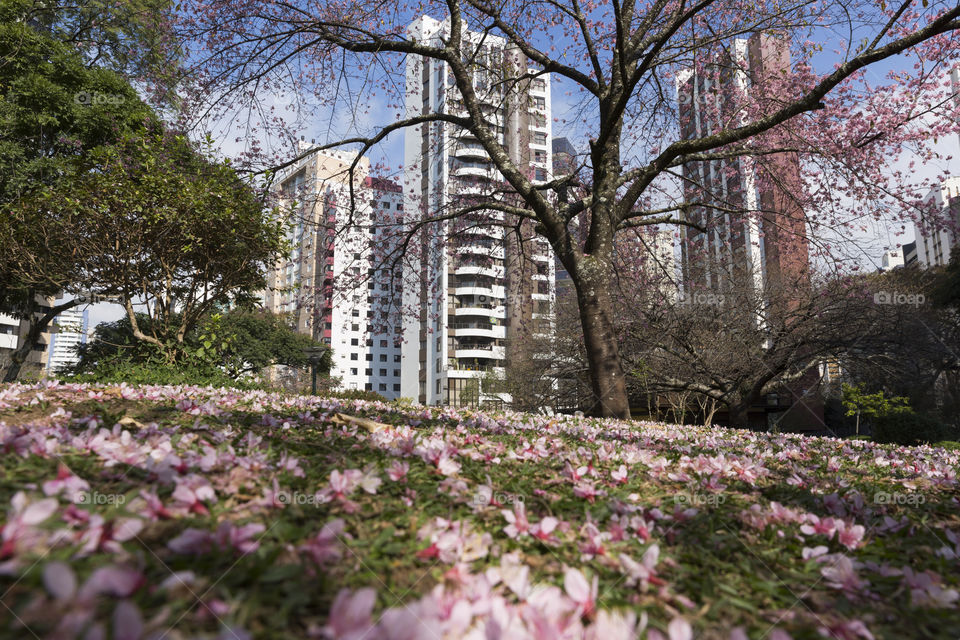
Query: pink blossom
x,y
106,535
350,615
326,546
620,475
66,481
643,572
192,541
19,532
398,471
191,492
242,538
850,536
545,528
588,490
583,593
517,519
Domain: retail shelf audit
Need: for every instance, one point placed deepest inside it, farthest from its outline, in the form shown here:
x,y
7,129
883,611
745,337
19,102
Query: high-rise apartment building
x,y
755,230
337,283
72,328
483,289
936,241
754,237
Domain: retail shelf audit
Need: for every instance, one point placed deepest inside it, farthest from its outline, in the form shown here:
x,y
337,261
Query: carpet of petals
x,y
187,512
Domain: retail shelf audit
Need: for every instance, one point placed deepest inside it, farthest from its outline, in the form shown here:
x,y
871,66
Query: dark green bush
x,y
157,371
908,427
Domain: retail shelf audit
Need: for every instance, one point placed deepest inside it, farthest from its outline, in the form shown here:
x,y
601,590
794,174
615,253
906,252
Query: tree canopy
x,y
623,66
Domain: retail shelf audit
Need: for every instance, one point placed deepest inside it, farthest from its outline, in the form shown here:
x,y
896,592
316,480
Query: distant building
x,y
755,230
902,256
936,240
334,285
13,330
753,235
72,327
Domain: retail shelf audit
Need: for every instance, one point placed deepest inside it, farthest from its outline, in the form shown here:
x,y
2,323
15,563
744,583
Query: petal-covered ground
x,y
181,512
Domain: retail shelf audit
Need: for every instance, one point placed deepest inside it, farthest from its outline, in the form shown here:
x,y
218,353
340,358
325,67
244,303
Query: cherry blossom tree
x,y
620,64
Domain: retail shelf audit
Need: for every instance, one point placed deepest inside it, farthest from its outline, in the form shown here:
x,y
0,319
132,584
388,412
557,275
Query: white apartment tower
x,y
936,242
73,326
482,288
336,283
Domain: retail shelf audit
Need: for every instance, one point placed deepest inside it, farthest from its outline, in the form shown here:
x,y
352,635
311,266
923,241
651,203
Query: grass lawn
x,y
181,512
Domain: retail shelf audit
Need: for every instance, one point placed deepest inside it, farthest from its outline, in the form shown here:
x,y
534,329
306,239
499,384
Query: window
x,y
539,156
368,372
396,358
355,327
383,343
369,357
353,372
353,356
396,388
383,373
396,373
383,386
538,103
539,120
539,174
355,313
368,387
354,342
383,357
539,137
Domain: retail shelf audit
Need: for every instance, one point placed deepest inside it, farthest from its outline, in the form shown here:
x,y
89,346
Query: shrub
x,y
908,427
158,371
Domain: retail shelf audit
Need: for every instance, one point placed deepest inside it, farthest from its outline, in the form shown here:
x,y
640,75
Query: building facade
x,y
72,330
754,237
937,240
12,332
483,289
755,228
337,284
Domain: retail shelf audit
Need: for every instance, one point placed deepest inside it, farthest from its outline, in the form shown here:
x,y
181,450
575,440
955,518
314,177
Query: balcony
x,y
491,352
490,271
472,171
471,150
481,248
492,331
480,309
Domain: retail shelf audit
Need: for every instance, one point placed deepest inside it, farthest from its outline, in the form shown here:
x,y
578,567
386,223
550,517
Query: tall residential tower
x,y
487,281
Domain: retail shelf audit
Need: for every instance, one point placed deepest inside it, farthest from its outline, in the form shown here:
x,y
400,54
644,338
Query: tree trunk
x,y
739,414
37,327
607,379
